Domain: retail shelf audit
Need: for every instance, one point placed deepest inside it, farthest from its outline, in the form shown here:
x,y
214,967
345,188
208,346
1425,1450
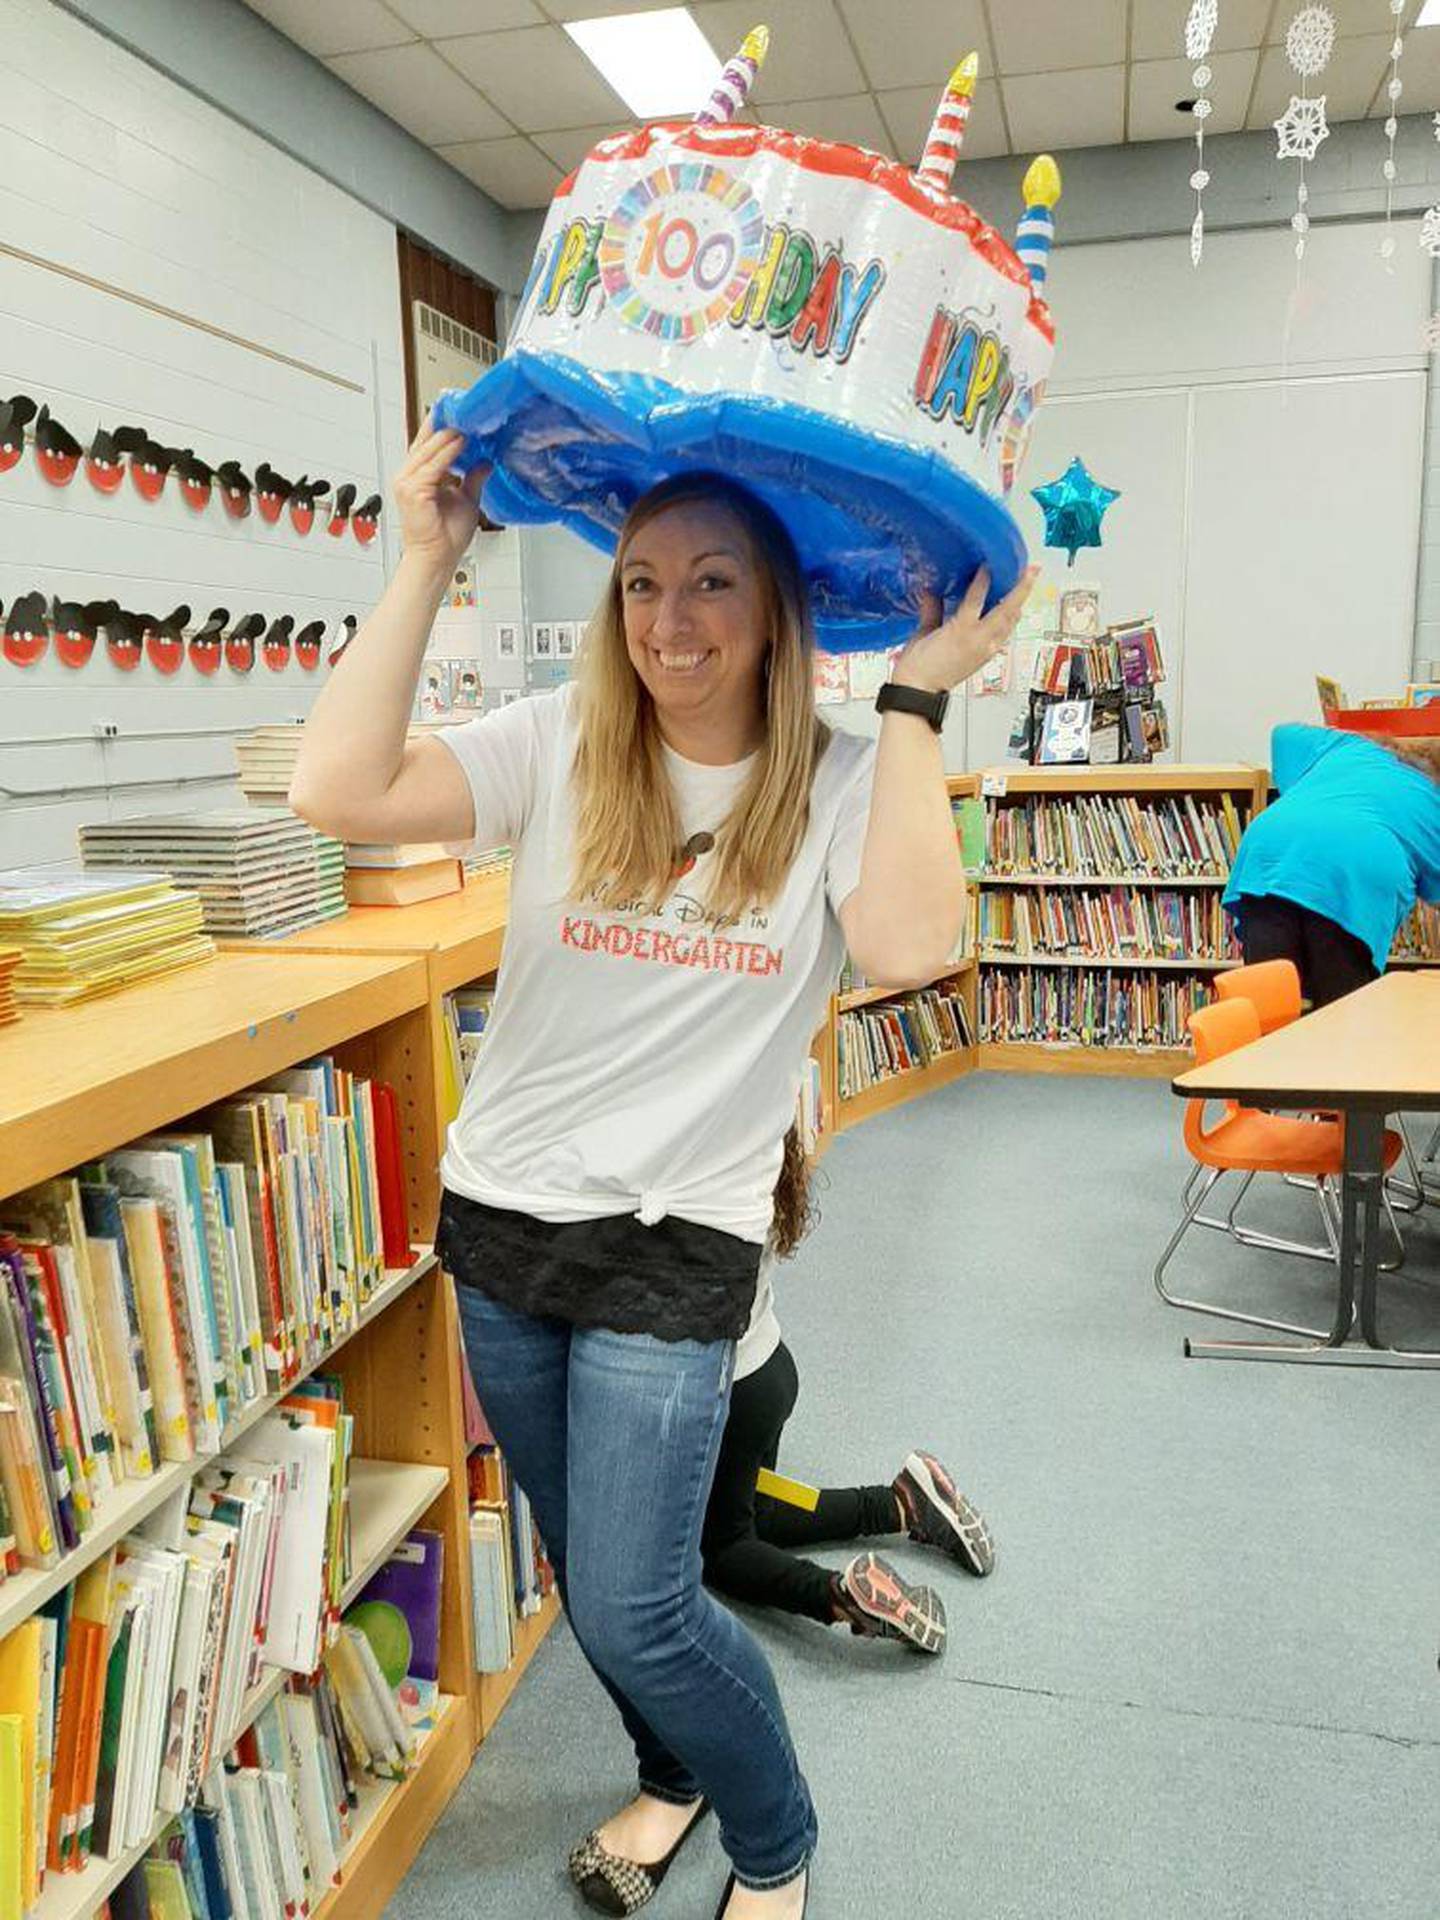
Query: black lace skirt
x,y
674,1280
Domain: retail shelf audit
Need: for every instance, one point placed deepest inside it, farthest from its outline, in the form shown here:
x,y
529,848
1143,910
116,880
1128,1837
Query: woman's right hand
x,y
438,512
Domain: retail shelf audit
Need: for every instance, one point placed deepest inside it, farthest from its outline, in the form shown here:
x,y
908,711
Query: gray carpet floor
x,y
1202,1680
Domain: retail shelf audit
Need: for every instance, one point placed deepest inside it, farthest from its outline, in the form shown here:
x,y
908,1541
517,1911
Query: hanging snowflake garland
x,y
1394,87
1301,128
1430,334
1430,232
1200,24
1200,27
1309,41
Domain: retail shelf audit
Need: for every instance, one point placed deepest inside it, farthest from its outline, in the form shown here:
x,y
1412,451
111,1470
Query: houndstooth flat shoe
x,y
611,1884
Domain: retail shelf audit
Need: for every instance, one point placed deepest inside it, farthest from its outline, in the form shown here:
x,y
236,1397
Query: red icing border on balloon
x,y
841,161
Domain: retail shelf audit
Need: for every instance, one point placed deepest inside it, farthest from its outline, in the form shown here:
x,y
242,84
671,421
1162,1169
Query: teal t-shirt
x,y
1355,835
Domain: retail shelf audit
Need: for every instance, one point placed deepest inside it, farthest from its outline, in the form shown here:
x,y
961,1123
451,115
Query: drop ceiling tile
x,y
1420,78
853,118
909,111
513,172
567,147
1037,36
415,87
340,26
809,55
1085,108
1155,86
919,45
1352,17
443,19
1158,32
1357,67
538,78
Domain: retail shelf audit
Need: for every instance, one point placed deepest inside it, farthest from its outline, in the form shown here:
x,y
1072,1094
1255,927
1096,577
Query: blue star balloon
x,y
1074,505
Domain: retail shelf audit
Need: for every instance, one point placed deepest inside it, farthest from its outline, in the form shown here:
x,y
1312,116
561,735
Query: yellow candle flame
x,y
962,80
1041,187
755,45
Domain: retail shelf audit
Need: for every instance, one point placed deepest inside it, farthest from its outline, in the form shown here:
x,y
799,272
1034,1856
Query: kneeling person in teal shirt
x,y
1326,875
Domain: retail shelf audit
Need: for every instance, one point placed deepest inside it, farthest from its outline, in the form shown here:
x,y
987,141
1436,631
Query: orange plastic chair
x,y
1246,1141
1271,986
1273,989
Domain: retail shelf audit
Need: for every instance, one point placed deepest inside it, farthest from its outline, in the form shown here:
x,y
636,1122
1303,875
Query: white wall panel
x,y
115,174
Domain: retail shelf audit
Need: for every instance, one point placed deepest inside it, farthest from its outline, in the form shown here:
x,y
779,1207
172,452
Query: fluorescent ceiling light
x,y
1429,14
658,63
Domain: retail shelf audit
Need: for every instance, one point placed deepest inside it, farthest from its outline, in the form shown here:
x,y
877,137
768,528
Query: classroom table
x,y
1374,1053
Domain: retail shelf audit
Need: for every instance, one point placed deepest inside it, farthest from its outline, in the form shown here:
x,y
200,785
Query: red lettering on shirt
x,y
704,954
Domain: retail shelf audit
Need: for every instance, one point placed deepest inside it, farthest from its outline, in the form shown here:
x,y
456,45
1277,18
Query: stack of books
x,y
509,1571
399,876
1089,1007
83,934
148,1302
10,958
131,1684
257,870
875,1043
265,760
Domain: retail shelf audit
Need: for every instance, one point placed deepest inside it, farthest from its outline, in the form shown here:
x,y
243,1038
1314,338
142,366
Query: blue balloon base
x,y
874,520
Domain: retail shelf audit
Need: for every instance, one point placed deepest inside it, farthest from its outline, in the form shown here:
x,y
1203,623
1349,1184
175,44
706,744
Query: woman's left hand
x,y
945,652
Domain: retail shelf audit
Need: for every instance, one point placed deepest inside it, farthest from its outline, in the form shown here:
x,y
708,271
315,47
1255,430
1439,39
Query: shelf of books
x,y
458,939
235,1615
1100,928
1418,942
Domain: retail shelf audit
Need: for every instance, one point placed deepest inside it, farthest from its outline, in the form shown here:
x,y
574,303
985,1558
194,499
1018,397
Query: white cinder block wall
x,y
248,309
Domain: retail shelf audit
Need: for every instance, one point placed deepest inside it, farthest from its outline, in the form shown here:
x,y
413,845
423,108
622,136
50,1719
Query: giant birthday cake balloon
x,y
831,329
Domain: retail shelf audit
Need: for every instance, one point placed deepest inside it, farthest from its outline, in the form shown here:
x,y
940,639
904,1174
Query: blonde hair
x,y
628,831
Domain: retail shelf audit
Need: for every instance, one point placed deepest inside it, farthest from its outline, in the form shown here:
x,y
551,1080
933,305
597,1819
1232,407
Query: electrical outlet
x,y
106,730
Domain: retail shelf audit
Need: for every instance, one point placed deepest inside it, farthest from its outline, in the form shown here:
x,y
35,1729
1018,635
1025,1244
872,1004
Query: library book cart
x,y
83,1082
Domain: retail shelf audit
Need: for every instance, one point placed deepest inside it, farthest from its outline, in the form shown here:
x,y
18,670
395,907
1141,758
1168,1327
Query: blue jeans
x,y
614,1439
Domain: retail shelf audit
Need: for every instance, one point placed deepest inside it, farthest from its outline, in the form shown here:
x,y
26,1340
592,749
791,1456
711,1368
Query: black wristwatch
x,y
929,706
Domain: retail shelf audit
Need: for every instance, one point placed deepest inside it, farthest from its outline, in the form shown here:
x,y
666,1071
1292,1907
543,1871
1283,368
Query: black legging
x,y
747,1533
1331,962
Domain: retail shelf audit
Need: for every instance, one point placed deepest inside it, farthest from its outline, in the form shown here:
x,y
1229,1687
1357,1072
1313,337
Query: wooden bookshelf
x,y
457,940
79,1083
386,1501
1247,788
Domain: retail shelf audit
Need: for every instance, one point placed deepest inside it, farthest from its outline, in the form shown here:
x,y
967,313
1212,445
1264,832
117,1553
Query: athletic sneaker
x,y
937,1514
874,1599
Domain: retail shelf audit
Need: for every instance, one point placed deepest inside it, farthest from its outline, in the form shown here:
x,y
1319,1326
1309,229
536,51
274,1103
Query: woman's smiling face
x,y
694,607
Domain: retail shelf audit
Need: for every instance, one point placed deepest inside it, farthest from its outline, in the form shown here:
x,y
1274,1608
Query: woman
x,y
693,852
753,1531
1326,875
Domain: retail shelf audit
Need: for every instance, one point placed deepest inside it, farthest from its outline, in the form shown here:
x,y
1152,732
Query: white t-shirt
x,y
644,1062
762,1336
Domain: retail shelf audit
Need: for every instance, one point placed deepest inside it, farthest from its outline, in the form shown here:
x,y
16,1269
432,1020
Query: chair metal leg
x,y
1253,1237
1330,1213
1408,1194
1432,1150
1190,1218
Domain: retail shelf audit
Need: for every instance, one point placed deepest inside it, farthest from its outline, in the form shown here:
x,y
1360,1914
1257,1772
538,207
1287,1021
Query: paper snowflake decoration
x,y
1197,236
1301,128
1437,126
1430,334
1310,40
1430,232
1200,27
